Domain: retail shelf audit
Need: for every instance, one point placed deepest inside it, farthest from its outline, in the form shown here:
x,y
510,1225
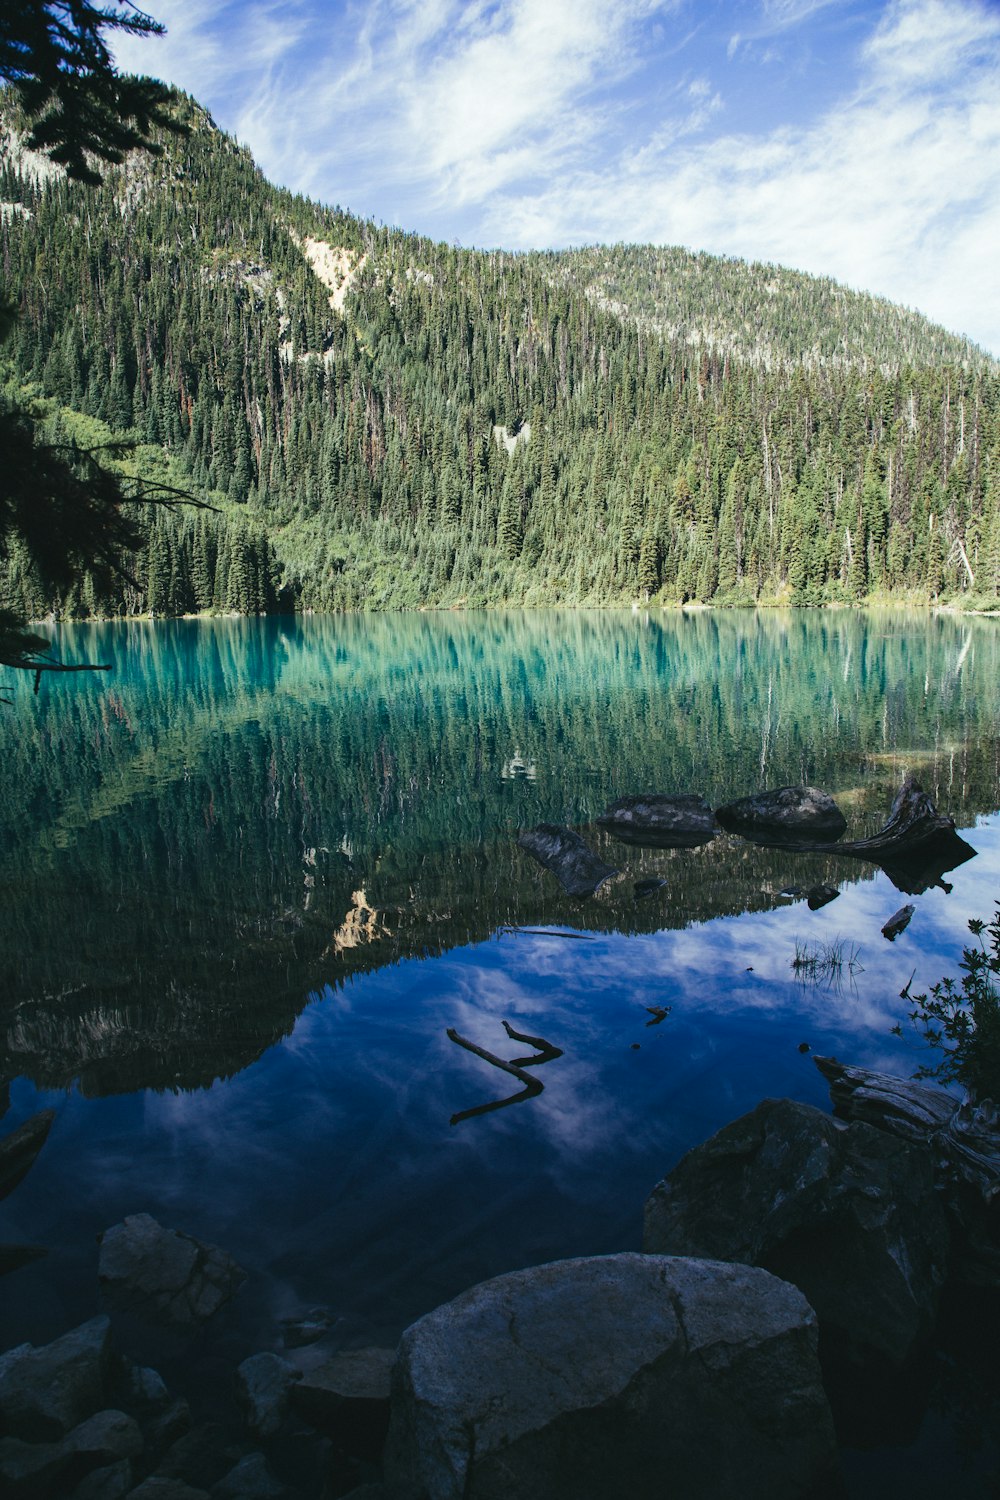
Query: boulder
x,y
201,1457
250,1479
158,1488
31,1471
791,812
348,1398
578,869
106,1438
113,1482
623,1375
46,1392
659,822
164,1274
849,1214
263,1387
42,1471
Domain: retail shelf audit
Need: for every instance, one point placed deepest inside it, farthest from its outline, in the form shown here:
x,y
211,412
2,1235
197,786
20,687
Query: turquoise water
x,y
251,877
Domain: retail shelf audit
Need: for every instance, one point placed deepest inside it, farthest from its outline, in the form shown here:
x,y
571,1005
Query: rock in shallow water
x,y
578,869
787,812
660,822
626,1374
164,1274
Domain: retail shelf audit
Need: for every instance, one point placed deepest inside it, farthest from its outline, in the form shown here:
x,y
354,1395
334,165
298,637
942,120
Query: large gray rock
x,y
660,822
43,1471
622,1375
106,1437
578,869
201,1457
263,1386
348,1398
788,812
45,1392
113,1482
164,1274
158,1488
847,1213
250,1479
31,1471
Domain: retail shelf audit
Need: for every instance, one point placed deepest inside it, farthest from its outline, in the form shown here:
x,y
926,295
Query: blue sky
x,y
858,139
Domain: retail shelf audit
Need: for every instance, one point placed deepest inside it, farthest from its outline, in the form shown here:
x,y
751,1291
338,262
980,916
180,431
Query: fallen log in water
x,y
516,1066
966,1135
915,848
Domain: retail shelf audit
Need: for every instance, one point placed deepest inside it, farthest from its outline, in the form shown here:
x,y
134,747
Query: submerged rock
x,y
791,812
623,1375
578,869
821,895
849,1214
164,1274
898,923
660,822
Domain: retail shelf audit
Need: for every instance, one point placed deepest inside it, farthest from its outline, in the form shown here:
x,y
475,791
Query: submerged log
x,y
578,869
19,1149
966,1135
515,1067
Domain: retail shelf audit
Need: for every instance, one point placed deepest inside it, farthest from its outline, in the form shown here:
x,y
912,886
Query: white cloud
x,y
896,190
525,124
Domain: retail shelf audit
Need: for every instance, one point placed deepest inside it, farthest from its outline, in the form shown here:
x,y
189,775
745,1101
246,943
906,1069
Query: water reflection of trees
x,y
182,846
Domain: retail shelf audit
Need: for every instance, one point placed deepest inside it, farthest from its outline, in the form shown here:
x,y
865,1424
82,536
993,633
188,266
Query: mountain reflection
x,y
251,811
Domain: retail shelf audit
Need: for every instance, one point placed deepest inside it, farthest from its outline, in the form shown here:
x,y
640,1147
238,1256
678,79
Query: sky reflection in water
x,y
322,1156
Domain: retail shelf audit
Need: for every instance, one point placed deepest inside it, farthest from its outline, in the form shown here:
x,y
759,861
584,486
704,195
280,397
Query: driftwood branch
x,y
546,1051
532,1086
578,937
967,1135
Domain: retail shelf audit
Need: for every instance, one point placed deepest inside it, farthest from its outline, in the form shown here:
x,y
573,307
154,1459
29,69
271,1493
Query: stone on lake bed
x,y
637,1375
164,1274
787,812
660,822
578,869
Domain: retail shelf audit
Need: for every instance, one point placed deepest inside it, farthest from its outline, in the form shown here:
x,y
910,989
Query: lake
x,y
252,876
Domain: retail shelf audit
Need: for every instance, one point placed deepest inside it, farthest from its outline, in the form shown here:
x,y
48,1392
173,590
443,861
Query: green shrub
x,y
962,1018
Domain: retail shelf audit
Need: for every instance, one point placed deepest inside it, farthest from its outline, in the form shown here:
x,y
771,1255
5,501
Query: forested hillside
x,y
386,422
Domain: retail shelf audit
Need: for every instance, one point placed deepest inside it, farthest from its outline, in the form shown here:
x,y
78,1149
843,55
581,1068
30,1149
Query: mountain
x,y
383,421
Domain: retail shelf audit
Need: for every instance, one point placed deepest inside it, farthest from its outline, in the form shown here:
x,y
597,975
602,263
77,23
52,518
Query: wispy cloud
x,y
509,122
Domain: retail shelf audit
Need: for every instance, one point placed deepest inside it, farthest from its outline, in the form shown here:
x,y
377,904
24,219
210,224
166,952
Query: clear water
x,y
251,877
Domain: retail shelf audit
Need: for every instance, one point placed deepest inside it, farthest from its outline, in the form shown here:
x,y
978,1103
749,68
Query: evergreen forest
x,y
383,422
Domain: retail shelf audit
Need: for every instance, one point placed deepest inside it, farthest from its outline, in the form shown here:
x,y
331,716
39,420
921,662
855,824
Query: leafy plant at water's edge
x,y
963,1017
